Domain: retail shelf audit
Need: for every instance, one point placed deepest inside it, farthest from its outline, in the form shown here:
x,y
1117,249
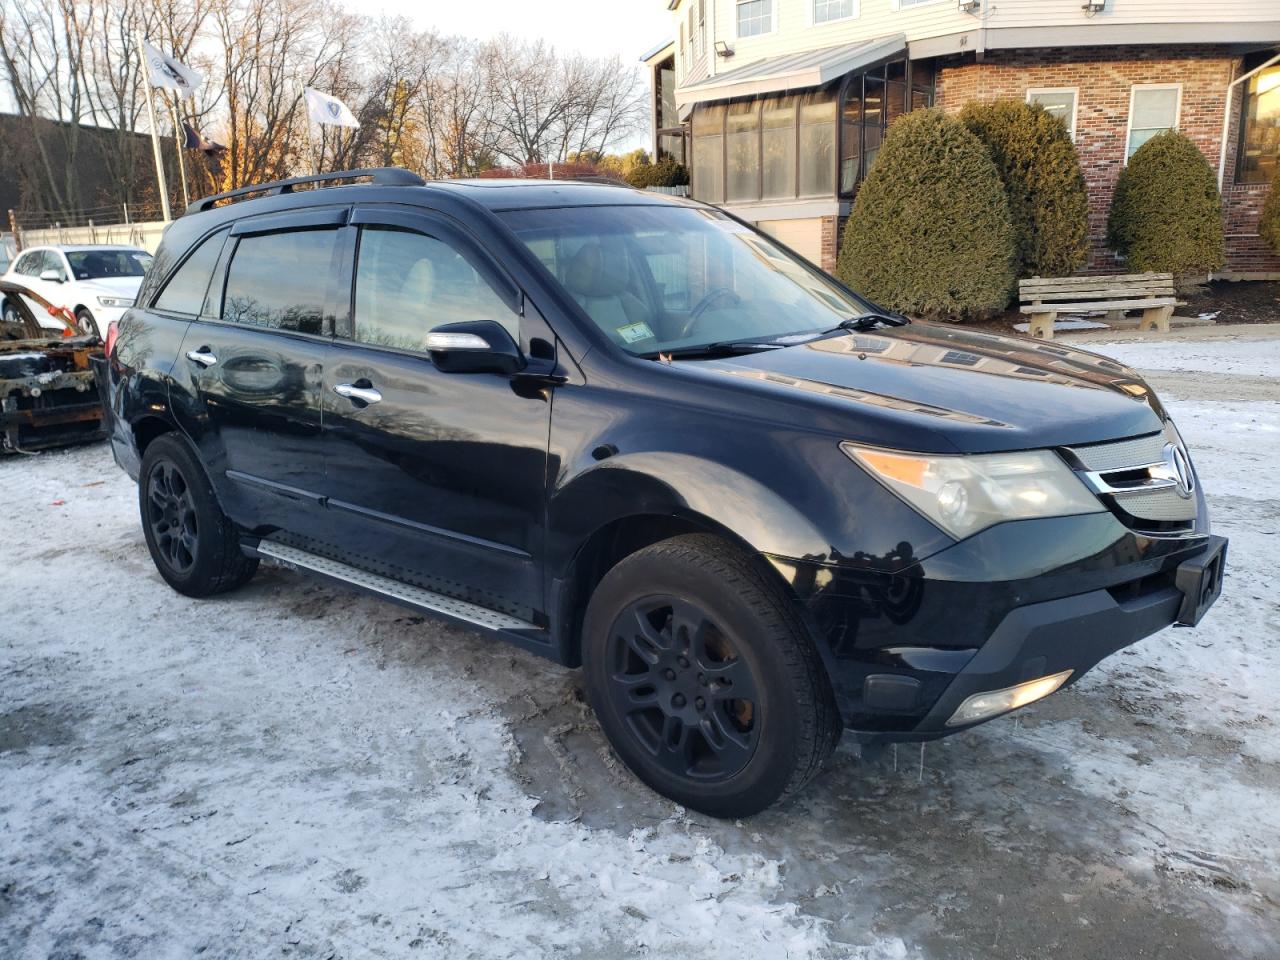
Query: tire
x,y
86,322
192,543
670,635
11,313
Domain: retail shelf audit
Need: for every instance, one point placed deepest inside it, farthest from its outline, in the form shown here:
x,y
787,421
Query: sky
x,y
628,28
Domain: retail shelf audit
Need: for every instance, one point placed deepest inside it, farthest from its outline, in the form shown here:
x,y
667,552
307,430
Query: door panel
x,y
255,375
442,479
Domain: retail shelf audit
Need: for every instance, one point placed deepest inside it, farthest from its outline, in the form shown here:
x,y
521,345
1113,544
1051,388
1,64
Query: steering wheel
x,y
712,295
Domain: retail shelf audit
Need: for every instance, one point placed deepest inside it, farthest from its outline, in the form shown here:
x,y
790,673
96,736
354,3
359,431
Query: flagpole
x,y
155,133
180,139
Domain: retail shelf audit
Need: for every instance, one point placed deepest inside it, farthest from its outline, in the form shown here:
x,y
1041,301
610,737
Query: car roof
x,y
514,194
81,247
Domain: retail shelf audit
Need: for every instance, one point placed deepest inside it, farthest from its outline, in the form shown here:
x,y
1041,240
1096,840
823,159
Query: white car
x,y
96,283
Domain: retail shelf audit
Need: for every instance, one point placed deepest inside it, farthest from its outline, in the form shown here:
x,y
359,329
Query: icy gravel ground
x,y
296,771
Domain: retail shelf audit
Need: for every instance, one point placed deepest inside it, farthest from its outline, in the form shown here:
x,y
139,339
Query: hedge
x,y
929,233
1041,173
1269,224
1166,215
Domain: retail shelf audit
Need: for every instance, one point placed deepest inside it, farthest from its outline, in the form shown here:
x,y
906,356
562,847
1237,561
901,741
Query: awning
x,y
792,71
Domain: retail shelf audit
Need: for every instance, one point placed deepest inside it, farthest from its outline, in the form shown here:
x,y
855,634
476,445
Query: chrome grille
x,y
1110,468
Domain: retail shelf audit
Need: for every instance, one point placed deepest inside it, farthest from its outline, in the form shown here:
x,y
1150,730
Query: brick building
x,y
779,106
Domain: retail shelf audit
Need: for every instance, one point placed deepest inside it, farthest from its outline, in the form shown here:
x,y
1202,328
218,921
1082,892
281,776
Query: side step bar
x,y
405,593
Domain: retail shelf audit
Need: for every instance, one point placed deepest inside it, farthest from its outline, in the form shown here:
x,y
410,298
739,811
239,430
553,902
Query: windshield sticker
x,y
635,332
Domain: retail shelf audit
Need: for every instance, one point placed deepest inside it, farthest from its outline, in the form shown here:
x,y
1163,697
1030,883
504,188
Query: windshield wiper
x,y
865,321
717,348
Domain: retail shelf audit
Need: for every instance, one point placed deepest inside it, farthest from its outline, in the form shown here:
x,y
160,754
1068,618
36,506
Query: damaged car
x,y
49,393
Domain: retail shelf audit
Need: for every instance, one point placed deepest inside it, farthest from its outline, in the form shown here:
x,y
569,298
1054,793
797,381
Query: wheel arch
x,y
615,540
147,428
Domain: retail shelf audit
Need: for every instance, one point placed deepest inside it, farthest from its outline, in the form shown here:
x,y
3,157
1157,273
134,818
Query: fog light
x,y
981,706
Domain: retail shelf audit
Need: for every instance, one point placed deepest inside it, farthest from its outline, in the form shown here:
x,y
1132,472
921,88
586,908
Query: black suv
x,y
633,433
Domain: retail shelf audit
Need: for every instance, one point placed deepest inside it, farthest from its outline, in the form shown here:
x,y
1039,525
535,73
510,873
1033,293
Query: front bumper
x,y
904,650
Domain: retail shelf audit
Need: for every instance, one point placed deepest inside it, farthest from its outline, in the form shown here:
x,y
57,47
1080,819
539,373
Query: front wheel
x,y
86,322
704,679
194,545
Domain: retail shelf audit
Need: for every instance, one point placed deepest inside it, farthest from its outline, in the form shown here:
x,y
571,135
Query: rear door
x,y
252,367
441,479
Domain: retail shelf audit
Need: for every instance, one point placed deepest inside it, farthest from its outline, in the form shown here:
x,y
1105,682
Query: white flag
x,y
323,108
169,73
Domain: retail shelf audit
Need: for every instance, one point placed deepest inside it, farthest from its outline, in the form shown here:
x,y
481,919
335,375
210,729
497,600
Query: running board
x,y
405,593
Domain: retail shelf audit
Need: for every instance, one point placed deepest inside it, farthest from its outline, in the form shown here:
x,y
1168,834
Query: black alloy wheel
x,y
195,546
171,514
704,677
684,691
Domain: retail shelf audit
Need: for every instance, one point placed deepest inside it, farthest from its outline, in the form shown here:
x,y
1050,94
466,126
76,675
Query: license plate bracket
x,y
1200,580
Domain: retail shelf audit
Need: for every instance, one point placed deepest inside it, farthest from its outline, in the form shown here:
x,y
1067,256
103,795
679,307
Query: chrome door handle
x,y
202,357
352,392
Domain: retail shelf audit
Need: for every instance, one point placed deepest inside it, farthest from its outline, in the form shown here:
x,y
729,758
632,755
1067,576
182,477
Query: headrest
x,y
598,270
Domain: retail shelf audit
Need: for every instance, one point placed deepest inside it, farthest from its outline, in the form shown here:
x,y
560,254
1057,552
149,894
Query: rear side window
x,y
407,284
184,293
29,264
279,280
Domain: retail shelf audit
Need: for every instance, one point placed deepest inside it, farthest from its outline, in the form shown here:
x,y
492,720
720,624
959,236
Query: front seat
x,y
599,278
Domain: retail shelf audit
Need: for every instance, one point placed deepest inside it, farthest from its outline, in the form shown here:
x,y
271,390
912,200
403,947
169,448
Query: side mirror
x,y
52,276
474,346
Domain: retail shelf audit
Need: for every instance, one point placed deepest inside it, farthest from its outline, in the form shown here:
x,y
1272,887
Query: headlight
x,y
119,302
967,493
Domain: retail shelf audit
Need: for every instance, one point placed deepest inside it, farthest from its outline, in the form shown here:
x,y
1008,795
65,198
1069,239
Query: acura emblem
x,y
1177,468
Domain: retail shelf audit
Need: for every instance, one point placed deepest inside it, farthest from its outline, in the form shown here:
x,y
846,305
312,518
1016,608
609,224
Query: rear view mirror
x,y
51,276
474,346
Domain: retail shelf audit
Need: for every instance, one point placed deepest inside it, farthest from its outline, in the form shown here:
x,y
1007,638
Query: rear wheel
x,y
192,543
704,680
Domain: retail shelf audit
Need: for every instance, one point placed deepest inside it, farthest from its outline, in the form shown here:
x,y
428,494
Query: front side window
x,y
185,291
1260,130
754,17
1152,110
99,264
407,284
657,278
824,11
280,280
53,261
1058,103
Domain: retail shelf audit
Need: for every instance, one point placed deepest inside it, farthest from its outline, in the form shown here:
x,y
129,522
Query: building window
x,y
870,102
742,151
1061,103
817,143
778,148
693,35
904,4
825,11
754,17
1152,110
708,154
1260,128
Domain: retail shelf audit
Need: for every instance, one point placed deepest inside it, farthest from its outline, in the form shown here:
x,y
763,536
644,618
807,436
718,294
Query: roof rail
x,y
383,176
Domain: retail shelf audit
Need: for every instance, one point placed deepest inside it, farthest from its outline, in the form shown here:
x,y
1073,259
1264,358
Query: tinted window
x,y
95,264
184,293
279,280
408,284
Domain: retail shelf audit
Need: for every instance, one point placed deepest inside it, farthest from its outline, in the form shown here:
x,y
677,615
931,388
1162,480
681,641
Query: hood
x,y
111,286
943,389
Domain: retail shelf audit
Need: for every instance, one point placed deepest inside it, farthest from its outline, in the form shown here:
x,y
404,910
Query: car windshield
x,y
99,264
663,278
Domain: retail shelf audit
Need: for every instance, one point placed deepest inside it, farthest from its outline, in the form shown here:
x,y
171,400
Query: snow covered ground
x,y
292,770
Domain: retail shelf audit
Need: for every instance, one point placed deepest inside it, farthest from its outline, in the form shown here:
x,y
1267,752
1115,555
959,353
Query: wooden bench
x,y
1044,298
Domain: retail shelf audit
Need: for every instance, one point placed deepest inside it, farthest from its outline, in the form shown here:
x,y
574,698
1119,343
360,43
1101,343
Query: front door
x,y
254,369
436,478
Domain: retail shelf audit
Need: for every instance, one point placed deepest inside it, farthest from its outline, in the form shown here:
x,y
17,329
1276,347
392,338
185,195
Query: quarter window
x,y
280,280
1260,131
824,11
1152,110
754,17
407,284
1059,103
184,293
